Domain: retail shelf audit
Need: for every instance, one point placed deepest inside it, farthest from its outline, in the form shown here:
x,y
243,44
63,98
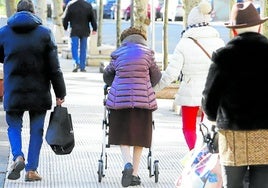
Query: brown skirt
x,y
131,127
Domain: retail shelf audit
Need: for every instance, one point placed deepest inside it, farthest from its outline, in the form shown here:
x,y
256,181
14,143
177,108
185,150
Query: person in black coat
x,y
235,97
31,66
79,14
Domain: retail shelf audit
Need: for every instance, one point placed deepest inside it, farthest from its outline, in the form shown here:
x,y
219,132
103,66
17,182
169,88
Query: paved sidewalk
x,y
79,169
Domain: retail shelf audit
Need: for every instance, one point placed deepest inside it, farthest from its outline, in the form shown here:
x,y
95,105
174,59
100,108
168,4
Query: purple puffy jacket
x,y
132,73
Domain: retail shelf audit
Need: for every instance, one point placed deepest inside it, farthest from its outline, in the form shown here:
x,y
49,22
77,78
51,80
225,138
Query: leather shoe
x,y
127,175
83,70
76,67
15,169
135,180
32,176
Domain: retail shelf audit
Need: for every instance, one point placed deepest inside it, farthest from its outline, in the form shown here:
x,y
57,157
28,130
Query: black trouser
x,y
256,176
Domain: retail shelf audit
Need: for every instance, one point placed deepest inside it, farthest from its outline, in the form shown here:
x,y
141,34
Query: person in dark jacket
x,y
79,14
235,97
30,61
131,75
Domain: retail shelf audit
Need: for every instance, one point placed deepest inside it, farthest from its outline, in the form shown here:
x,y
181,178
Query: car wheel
x,y
178,18
125,17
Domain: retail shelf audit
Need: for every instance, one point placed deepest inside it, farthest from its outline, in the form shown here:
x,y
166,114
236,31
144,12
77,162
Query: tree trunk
x,y
41,10
232,2
100,21
141,19
10,7
118,23
165,36
264,11
188,5
57,20
132,13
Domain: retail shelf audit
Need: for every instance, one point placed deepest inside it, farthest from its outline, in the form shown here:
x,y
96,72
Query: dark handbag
x,y
60,134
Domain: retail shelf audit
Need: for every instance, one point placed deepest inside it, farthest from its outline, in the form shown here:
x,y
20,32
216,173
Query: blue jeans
x,y
79,51
234,176
14,120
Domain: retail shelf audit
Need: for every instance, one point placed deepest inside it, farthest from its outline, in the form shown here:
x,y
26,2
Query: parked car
x,y
175,11
124,5
108,9
127,11
158,11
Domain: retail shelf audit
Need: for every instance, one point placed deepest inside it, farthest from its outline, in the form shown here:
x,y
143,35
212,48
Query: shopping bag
x,y
201,170
60,134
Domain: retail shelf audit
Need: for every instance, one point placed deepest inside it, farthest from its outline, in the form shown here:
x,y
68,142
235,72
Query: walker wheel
x,y
156,170
100,170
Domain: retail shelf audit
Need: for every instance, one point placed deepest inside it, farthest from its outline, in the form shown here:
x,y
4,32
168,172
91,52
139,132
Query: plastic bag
x,y
201,170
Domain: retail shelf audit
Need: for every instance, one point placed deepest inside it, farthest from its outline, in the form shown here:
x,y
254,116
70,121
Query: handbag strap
x,y
210,137
196,42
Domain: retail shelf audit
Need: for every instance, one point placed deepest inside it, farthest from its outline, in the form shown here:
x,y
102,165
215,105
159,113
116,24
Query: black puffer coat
x,y
31,64
235,94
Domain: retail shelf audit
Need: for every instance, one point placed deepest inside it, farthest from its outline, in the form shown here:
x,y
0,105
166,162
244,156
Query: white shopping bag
x,y
201,170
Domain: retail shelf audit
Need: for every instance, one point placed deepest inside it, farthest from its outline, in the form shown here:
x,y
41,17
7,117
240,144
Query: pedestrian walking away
x,y
191,63
30,62
131,75
79,15
234,97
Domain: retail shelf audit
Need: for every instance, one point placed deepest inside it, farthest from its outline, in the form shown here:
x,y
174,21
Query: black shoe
x,y
135,181
76,68
83,70
127,175
16,167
